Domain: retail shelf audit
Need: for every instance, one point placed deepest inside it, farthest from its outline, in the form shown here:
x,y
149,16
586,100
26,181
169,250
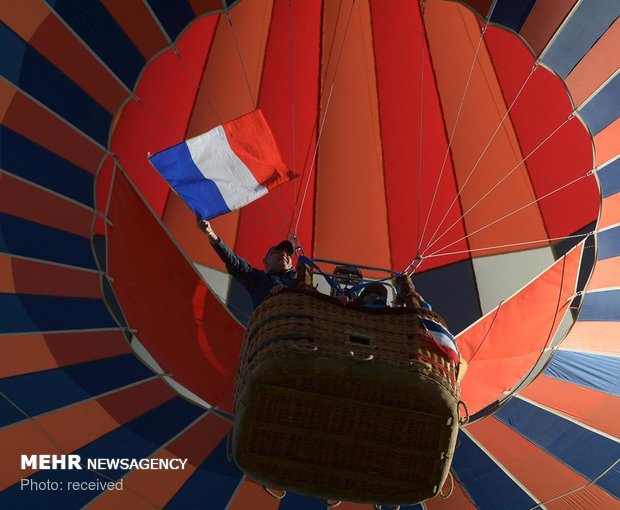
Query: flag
x,y
225,168
439,332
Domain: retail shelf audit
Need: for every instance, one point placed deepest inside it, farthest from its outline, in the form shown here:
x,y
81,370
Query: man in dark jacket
x,y
278,264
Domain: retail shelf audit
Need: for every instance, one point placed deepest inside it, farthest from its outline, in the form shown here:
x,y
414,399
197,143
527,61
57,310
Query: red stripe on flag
x,y
251,139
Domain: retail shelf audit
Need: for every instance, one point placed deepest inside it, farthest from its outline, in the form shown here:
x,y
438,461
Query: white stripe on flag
x,y
440,334
215,159
444,340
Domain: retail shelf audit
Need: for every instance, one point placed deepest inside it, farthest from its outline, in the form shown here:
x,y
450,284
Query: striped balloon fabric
x,y
478,141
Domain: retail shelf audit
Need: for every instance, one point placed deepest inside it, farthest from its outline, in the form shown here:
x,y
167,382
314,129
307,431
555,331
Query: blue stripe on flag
x,y
436,327
485,482
216,477
201,194
590,21
603,306
584,451
609,176
608,243
586,369
441,334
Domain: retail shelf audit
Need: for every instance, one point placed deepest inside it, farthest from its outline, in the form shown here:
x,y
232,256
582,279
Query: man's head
x,y
372,293
279,257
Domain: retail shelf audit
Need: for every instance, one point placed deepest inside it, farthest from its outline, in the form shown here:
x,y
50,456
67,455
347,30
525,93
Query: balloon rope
x,y
549,335
484,151
275,220
196,82
486,333
314,128
264,219
523,243
322,123
159,119
273,494
238,49
108,201
435,253
451,491
275,204
559,305
514,168
456,121
422,60
282,230
578,489
265,215
280,204
293,124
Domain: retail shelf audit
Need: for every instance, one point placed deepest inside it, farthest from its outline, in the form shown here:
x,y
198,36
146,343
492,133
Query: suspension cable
x,y
456,121
505,176
293,124
422,64
484,150
196,82
578,489
282,230
584,176
510,245
322,123
240,56
157,117
314,128
278,210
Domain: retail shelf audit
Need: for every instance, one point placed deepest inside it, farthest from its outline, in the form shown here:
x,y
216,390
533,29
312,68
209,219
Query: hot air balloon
x,y
472,144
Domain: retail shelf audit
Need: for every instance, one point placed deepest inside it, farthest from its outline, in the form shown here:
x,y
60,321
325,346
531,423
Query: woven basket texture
x,y
344,402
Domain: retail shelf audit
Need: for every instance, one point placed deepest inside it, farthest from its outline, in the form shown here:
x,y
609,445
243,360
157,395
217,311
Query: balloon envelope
x,y
462,134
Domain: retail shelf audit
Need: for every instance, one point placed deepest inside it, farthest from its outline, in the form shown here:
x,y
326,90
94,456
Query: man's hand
x,y
205,226
343,299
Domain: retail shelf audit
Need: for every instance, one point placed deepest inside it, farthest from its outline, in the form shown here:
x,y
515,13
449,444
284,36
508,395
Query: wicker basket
x,y
344,403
